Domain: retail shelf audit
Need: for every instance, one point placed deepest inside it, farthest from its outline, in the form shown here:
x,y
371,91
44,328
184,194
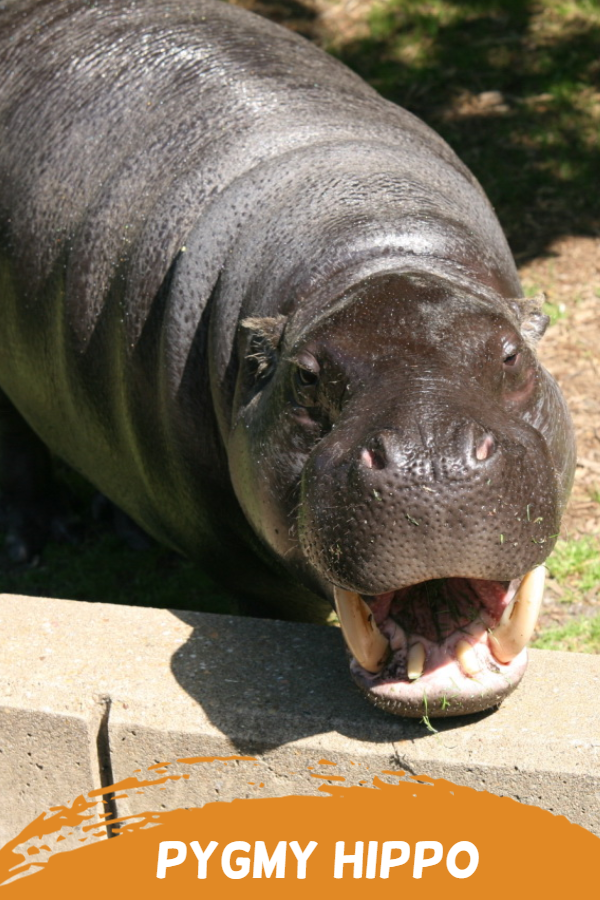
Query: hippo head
x,y
404,453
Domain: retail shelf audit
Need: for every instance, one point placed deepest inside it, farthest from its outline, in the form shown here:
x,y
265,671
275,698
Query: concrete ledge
x,y
91,692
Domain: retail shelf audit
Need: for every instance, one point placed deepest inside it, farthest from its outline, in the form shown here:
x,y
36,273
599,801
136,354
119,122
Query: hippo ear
x,y
532,320
263,341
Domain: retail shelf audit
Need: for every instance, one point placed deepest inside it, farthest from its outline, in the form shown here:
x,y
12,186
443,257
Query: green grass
x,y
576,563
582,635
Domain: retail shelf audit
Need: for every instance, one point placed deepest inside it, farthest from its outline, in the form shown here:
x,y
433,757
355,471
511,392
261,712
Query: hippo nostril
x,y
372,458
485,447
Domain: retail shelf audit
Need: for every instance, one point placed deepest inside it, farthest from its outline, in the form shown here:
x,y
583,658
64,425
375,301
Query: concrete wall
x,y
89,693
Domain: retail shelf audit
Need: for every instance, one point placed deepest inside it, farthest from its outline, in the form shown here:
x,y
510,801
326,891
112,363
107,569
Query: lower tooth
x,y
518,622
416,662
467,658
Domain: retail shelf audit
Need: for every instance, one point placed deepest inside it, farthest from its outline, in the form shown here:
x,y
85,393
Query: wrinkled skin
x,y
274,319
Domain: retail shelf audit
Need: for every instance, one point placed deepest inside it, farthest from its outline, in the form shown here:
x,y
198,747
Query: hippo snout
x,y
408,505
465,445
426,534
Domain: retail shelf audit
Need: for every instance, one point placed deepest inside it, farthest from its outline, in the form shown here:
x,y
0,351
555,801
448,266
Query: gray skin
x,y
268,314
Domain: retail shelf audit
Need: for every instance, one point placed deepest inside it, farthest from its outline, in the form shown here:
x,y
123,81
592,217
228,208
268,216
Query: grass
x,y
581,635
575,564
103,569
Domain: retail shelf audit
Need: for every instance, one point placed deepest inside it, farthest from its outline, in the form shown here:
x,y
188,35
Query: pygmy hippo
x,y
274,319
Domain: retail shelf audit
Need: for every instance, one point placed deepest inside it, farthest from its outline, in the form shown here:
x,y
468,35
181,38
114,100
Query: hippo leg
x,y
33,508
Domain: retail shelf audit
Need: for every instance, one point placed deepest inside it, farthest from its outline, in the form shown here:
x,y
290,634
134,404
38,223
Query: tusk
x,y
364,639
519,619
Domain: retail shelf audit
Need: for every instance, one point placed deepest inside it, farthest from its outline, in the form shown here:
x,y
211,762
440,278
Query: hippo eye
x,y
512,360
306,379
511,354
307,368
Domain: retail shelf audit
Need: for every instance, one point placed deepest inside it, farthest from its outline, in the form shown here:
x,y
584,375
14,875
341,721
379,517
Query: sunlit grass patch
x,y
581,635
576,563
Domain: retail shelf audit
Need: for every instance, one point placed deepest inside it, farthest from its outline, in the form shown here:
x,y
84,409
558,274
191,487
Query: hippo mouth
x,y
444,647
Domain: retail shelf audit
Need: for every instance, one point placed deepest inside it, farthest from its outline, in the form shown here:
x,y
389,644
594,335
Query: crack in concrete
x,y
404,764
104,763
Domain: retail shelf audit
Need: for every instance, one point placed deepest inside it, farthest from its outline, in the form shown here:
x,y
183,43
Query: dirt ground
x,y
569,273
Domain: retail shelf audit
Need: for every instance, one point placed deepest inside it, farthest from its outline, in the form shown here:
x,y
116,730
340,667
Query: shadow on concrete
x,y
265,683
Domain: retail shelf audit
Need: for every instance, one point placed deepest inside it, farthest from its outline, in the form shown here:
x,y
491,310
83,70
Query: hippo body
x,y
274,319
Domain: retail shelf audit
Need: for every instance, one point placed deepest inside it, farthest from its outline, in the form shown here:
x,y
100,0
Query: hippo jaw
x,y
474,663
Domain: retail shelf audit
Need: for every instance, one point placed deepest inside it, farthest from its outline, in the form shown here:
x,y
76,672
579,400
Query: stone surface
x,y
49,725
84,686
46,759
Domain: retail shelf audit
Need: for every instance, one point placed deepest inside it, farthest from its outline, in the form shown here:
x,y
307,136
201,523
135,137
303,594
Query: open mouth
x,y
444,647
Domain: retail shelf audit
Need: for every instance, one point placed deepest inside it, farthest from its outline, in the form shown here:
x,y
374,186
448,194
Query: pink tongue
x,y
435,609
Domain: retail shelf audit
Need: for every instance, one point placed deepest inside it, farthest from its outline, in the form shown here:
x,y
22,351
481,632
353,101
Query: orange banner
x,y
418,834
